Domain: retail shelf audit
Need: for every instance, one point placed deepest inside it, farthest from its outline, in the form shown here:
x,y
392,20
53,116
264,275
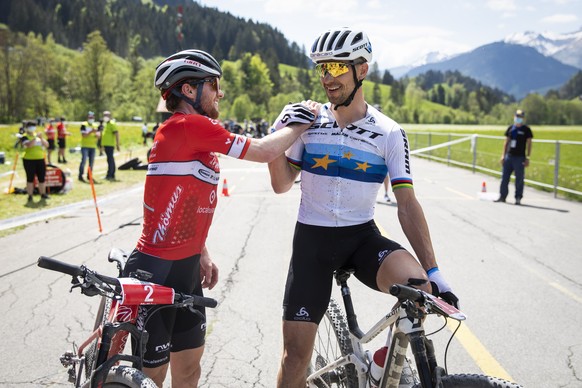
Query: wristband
x,y
432,270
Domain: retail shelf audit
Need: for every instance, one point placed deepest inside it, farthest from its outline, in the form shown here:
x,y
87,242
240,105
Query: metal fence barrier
x,y
555,165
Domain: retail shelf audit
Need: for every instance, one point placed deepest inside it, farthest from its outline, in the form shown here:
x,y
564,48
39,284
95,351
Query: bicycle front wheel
x,y
474,381
331,342
123,376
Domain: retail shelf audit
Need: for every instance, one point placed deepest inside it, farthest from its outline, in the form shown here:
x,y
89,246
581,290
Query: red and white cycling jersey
x,y
181,184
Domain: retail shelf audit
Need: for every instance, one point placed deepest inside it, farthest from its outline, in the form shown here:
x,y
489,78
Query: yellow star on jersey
x,y
348,155
323,162
363,166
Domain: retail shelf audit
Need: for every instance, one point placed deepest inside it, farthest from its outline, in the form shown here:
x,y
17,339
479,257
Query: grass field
x,y
488,154
12,205
489,147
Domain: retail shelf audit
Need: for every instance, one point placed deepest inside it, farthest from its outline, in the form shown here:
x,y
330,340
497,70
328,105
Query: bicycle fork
x,y
409,332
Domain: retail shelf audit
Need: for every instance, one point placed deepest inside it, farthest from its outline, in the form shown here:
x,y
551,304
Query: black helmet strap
x,y
350,98
196,103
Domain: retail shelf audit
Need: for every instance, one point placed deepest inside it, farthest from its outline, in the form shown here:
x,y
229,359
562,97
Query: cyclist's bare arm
x,y
282,174
415,227
270,147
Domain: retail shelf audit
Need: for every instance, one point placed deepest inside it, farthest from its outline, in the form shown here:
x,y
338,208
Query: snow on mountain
x,y
564,47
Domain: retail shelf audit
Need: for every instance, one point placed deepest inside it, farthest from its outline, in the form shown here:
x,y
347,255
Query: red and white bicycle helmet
x,y
343,44
187,64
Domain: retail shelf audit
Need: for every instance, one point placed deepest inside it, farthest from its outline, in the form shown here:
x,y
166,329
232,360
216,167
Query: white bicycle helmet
x,y
187,64
344,44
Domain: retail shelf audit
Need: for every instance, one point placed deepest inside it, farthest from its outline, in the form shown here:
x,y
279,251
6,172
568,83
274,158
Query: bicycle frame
x,y
405,328
120,322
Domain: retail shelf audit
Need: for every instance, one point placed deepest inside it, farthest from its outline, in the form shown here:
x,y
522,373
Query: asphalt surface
x,y
516,269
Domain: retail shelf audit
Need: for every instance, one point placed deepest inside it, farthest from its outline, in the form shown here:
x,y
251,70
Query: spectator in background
x,y
110,142
89,136
62,134
515,157
144,133
386,186
155,130
33,160
51,134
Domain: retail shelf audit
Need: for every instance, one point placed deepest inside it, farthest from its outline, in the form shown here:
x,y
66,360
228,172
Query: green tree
x,y
256,82
242,108
93,73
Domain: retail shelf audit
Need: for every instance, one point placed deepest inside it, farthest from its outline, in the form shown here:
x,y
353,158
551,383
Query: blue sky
x,y
403,31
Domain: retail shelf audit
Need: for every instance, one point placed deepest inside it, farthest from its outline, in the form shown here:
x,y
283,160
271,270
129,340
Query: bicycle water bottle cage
x,y
140,274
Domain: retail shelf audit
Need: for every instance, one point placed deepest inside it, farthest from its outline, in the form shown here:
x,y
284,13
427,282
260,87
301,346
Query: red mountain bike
x,y
97,361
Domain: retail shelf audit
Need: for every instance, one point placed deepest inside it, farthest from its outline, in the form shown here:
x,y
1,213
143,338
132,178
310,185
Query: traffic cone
x,y
484,187
225,189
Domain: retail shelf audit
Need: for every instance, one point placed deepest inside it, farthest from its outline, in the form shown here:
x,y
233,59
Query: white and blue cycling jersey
x,y
342,169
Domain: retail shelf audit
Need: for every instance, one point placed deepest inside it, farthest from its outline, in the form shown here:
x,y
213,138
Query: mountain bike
x,y
339,358
97,361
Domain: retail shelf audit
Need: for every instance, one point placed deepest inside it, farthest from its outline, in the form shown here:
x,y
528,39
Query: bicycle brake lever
x,y
75,285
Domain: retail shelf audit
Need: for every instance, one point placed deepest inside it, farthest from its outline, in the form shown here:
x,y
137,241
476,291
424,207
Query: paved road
x,y
516,268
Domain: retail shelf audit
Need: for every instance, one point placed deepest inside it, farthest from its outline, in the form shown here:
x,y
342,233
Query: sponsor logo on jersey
x,y
351,128
166,216
406,152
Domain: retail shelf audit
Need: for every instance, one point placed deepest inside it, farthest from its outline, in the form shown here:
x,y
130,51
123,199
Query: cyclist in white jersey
x,y
343,159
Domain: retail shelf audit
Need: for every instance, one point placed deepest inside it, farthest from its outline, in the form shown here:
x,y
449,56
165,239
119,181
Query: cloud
x,y
560,18
501,5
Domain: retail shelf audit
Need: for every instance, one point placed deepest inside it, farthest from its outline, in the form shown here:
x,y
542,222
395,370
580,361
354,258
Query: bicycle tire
x,y
123,376
474,381
100,319
332,341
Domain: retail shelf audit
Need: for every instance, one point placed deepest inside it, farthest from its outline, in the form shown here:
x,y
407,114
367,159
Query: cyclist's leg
x,y
307,294
381,262
158,375
185,367
188,337
298,340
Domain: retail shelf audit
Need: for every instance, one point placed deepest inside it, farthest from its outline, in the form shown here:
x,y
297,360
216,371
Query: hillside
x,y
136,27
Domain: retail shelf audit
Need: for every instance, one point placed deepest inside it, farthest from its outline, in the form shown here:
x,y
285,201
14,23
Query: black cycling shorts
x,y
317,252
61,141
170,329
34,167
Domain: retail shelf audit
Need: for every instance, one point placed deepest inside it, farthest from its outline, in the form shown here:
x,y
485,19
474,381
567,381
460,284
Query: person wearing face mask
x,y
515,157
34,160
110,142
89,137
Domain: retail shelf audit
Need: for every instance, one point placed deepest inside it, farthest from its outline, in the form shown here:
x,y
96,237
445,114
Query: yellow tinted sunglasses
x,y
335,69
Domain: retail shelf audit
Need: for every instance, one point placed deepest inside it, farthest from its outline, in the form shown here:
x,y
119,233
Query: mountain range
x,y
520,64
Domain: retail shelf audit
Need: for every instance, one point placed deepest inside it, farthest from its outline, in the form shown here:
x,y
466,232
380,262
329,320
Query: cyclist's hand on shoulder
x,y
441,288
302,113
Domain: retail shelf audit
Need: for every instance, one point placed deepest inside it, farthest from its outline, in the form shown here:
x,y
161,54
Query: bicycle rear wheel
x,y
331,342
100,319
474,381
123,376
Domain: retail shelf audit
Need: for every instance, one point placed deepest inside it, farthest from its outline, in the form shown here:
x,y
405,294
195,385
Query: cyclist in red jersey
x,y
181,192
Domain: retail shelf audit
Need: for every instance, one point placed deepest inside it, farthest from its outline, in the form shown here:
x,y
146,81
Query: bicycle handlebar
x,y
195,300
405,292
81,271
71,269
